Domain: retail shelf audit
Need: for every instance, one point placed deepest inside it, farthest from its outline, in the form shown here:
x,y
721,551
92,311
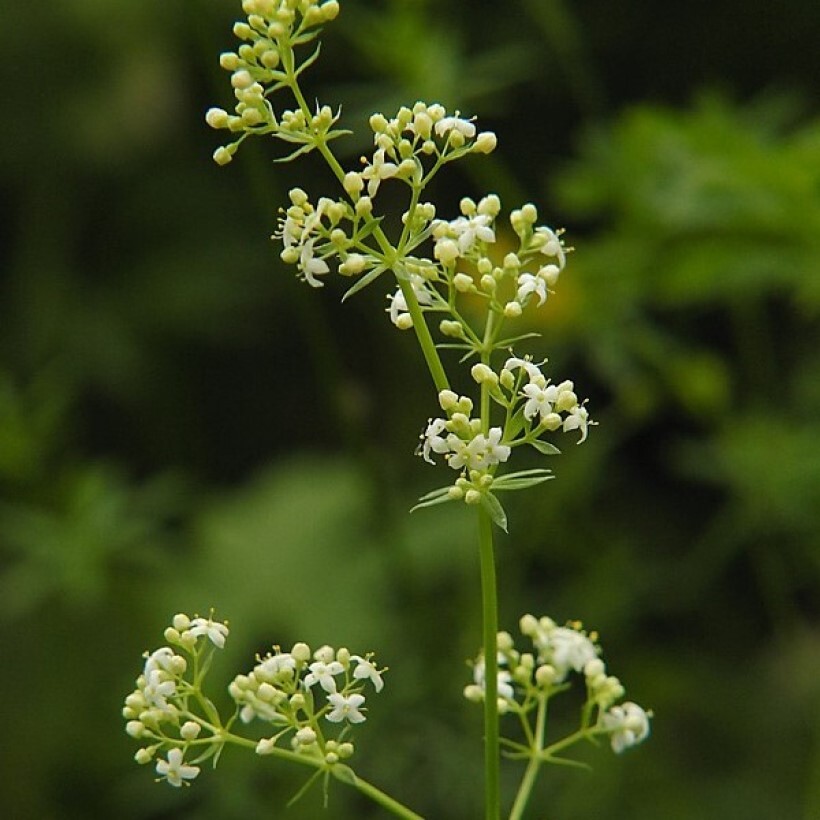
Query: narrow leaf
x,y
545,447
364,281
493,506
431,503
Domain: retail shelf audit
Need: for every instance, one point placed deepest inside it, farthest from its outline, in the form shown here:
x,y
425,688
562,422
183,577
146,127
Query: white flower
x,y
551,245
365,670
432,439
495,452
540,399
578,419
398,304
215,631
291,231
532,370
161,658
345,708
469,231
310,266
629,725
479,453
322,673
447,124
569,649
530,283
273,665
173,769
157,688
377,171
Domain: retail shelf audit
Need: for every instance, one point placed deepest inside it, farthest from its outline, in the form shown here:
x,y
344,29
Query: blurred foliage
x,y
182,425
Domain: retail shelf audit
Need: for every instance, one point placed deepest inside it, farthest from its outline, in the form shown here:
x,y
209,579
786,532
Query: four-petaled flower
x,y
433,440
629,725
157,688
531,283
322,673
377,171
310,266
214,630
578,419
366,670
173,769
456,123
345,708
472,230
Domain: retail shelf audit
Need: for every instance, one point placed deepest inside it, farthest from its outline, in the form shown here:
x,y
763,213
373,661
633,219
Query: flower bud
x,y
306,736
462,282
512,310
190,730
229,61
353,182
472,497
449,327
217,118
545,675
447,400
404,321
223,155
485,142
301,652
241,79
482,374
134,728
265,746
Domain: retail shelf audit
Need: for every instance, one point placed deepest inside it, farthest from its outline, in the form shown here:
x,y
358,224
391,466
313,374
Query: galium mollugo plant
x,y
456,292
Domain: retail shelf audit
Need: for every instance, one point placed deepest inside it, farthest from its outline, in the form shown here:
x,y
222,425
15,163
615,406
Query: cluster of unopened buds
x,y
298,692
527,680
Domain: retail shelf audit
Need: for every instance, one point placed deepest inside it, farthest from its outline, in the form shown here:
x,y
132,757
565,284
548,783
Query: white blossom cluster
x,y
291,690
558,653
533,406
294,690
158,709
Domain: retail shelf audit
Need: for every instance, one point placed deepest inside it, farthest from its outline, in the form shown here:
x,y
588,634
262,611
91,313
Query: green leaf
x,y
433,499
513,339
310,60
364,281
305,788
303,150
493,506
545,447
522,479
344,773
439,491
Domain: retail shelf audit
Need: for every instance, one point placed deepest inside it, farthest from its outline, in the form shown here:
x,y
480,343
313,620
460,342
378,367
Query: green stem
x,y
490,616
366,788
528,781
428,346
384,800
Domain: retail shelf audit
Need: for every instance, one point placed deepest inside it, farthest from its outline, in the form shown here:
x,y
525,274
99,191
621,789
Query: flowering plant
x,y
442,269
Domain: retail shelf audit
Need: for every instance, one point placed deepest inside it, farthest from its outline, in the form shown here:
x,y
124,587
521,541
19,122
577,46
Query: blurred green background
x,y
183,425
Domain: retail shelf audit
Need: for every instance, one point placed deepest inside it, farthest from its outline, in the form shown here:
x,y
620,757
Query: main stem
x,y
489,605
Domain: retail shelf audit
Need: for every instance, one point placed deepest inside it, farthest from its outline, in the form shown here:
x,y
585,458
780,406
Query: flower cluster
x,y
263,64
295,690
291,690
527,680
161,710
532,407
